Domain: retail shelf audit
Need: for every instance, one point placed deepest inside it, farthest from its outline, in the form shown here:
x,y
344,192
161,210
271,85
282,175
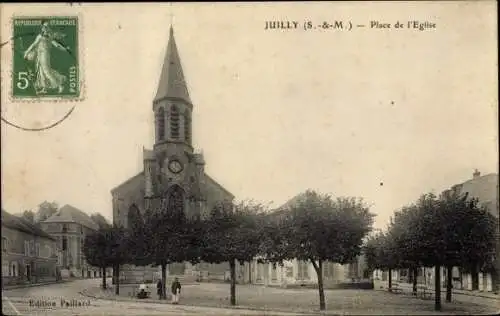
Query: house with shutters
x,y
29,255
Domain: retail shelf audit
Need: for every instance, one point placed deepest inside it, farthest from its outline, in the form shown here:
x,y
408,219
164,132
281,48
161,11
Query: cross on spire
x,y
171,16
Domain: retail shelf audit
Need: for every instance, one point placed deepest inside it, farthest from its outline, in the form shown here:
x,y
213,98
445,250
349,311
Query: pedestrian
x,y
159,289
176,291
142,291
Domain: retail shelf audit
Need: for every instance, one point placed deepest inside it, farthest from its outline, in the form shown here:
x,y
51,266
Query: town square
x,y
186,173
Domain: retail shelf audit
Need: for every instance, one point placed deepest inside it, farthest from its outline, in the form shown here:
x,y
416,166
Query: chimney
x,y
476,174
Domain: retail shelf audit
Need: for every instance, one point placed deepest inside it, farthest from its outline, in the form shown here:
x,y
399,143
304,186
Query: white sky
x,y
275,112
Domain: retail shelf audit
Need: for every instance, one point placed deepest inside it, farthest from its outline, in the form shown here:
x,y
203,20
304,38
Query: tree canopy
x,y
318,228
106,247
100,220
45,210
232,234
450,230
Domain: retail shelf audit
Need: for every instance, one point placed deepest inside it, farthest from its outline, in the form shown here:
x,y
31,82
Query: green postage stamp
x,y
46,61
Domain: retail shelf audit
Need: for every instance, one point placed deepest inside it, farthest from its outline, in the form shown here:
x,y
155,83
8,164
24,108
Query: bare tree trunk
x,y
104,278
475,278
494,277
390,280
117,279
232,266
449,284
163,281
319,272
322,304
437,287
250,271
414,272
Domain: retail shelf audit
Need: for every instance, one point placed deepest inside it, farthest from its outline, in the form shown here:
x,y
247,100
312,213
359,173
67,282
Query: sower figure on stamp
x,y
45,76
176,291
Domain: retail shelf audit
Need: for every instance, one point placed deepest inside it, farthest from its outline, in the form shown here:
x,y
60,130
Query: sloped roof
x,y
133,182
70,214
219,186
23,225
293,201
484,188
172,83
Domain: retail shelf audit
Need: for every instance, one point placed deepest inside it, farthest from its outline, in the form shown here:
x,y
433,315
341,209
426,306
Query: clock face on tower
x,y
175,166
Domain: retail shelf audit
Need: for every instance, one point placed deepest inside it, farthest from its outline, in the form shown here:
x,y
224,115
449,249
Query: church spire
x,y
172,83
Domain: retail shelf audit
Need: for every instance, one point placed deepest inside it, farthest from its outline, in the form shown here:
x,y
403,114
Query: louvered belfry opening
x,y
160,124
174,122
187,128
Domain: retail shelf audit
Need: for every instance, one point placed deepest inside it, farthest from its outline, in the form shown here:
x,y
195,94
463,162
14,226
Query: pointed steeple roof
x,y
172,83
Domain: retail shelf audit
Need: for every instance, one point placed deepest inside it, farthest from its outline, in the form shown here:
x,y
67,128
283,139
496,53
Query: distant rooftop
x,y
482,187
70,214
23,225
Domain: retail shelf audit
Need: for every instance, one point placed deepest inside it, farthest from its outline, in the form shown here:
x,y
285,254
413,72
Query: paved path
x,y
489,300
207,298
306,300
17,302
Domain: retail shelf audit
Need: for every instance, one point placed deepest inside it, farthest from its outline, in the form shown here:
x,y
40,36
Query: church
x,y
174,178
173,173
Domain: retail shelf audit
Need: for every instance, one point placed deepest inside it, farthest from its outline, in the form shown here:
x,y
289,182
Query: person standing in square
x,y
159,289
176,291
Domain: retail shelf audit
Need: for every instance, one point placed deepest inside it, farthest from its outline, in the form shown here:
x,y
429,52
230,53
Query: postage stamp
x,y
46,61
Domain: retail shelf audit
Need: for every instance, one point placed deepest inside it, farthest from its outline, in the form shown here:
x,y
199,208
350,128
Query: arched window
x,y
160,124
175,202
174,122
134,217
187,127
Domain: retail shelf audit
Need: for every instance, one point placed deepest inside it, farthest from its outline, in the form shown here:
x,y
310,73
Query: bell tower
x,y
172,104
174,170
172,109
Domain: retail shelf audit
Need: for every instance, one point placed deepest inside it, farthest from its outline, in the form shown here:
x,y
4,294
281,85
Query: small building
x,y
68,227
29,255
484,188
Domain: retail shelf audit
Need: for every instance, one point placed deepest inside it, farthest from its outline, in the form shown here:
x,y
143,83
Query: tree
x,y
317,229
106,247
231,235
46,210
403,250
448,231
118,251
138,239
96,248
100,220
377,252
469,236
172,237
29,216
425,235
